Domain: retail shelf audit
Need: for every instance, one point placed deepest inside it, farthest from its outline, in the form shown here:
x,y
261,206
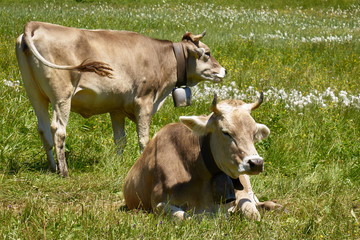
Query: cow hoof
x,y
181,215
64,174
270,205
250,212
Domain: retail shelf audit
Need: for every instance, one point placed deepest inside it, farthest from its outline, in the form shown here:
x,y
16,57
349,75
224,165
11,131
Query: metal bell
x,y
181,96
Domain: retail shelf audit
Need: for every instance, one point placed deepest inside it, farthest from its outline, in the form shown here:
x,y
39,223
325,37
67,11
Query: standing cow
x,y
103,71
200,162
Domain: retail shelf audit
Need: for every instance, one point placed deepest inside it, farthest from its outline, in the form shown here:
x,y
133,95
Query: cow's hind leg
x,y
118,125
41,110
40,106
61,111
39,102
173,211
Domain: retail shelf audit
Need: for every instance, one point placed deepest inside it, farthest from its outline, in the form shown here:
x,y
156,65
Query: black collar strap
x,y
181,64
208,157
221,185
211,164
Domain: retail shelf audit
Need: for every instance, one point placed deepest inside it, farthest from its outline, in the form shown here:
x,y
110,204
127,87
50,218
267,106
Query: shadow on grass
x,y
40,164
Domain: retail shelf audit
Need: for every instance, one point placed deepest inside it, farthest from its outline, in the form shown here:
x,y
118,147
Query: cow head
x,y
233,133
201,65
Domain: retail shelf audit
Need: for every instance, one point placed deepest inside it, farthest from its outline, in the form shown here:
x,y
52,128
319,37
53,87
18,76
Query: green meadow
x,y
305,57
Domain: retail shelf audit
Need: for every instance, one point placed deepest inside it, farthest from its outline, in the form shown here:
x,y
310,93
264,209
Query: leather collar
x,y
181,64
208,157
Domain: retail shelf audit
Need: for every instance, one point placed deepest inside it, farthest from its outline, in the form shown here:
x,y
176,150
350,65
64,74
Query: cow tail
x,y
99,68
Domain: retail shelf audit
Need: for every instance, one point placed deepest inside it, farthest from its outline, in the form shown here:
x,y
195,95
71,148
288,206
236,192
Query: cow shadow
x,y
39,163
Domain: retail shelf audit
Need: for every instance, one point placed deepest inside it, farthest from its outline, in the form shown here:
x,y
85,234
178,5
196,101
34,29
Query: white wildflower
x,y
14,84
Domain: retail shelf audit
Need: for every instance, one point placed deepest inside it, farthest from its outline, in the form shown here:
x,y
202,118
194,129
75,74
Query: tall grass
x,y
312,155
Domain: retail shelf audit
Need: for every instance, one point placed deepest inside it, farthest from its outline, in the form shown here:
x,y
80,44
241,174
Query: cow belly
x,y
88,102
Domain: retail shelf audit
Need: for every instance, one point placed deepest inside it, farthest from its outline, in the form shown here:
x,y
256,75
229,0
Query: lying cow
x,y
187,165
103,71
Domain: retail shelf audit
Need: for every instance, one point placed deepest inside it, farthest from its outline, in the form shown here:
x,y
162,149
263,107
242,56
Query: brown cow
x,y
187,165
103,71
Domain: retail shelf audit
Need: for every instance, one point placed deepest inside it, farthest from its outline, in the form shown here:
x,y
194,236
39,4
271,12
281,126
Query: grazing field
x,y
305,57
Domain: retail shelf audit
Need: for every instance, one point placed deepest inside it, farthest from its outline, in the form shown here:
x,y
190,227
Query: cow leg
x,y
118,125
41,111
60,118
143,123
245,181
39,102
246,200
173,211
245,204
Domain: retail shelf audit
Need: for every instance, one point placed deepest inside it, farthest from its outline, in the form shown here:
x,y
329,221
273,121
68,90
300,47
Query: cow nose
x,y
222,73
256,164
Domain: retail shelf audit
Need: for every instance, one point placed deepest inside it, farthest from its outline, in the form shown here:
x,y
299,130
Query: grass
x,y
312,155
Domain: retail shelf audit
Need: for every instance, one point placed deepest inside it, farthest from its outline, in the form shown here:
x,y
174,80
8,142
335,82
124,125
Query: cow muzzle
x,y
220,75
252,165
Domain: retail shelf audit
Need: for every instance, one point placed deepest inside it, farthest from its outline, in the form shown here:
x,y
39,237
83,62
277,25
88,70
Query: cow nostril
x,y
252,165
256,162
256,165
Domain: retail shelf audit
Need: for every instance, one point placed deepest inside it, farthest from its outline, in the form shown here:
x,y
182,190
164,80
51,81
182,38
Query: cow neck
x,y
181,64
211,164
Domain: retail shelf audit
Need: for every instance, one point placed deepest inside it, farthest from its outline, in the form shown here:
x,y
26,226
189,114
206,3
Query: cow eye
x,y
227,134
208,54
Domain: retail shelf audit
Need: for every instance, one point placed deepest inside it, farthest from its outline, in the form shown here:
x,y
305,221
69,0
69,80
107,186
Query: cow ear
x,y
198,124
262,132
196,51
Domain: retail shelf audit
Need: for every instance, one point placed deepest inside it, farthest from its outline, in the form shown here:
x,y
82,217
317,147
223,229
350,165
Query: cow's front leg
x,y
173,211
143,119
245,204
245,181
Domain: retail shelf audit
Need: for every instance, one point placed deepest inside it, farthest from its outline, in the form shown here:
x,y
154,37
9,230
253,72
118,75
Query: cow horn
x,y
213,107
197,38
252,106
255,105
